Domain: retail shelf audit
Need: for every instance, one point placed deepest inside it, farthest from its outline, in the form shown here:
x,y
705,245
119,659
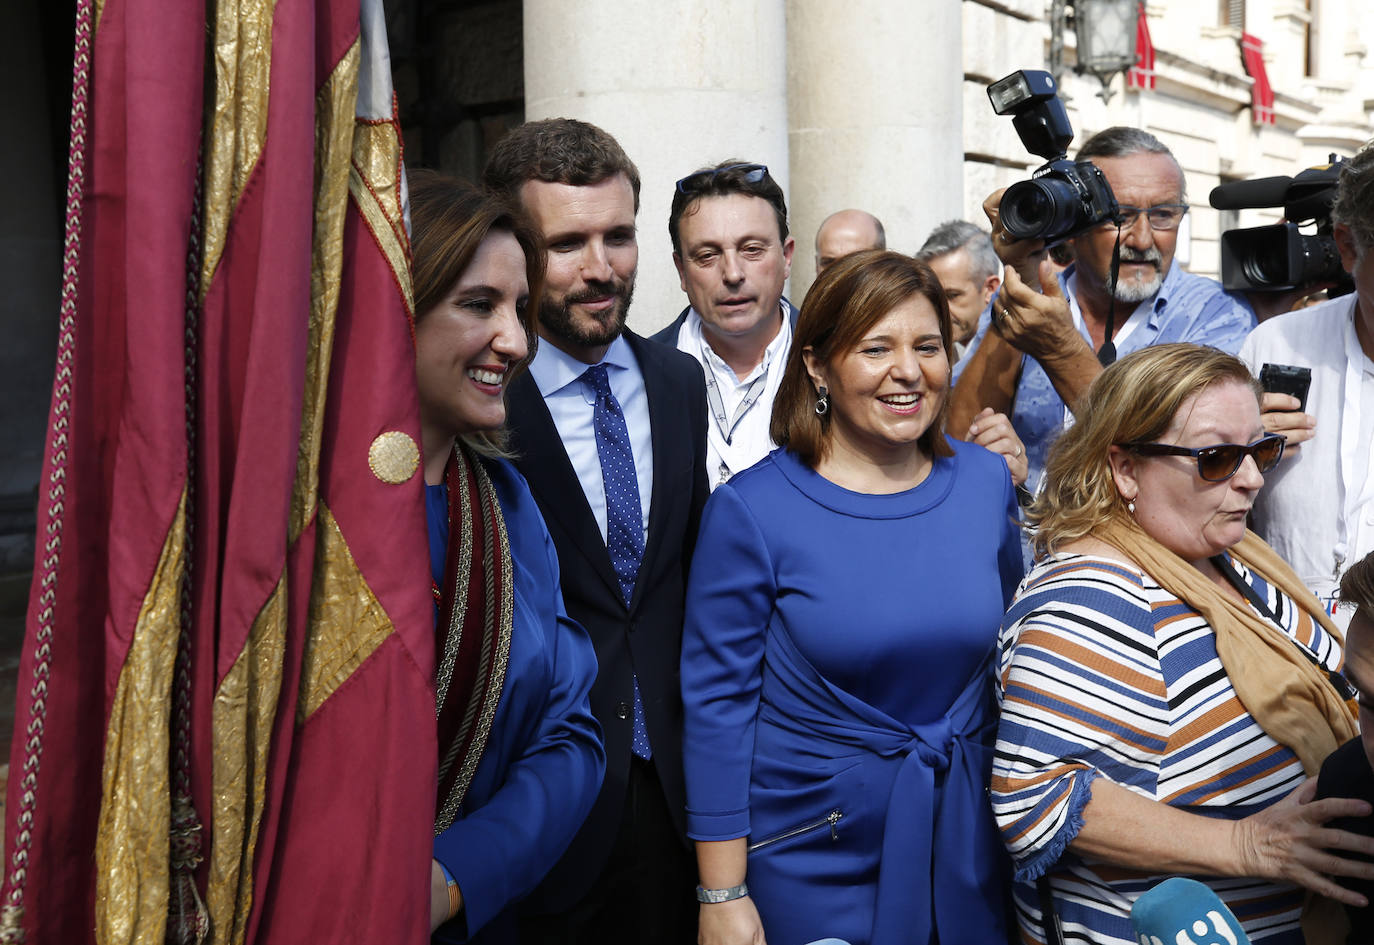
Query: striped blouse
x,y
1103,673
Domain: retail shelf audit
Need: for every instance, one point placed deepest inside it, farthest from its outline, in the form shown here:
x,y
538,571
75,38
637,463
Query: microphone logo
x,y
1219,934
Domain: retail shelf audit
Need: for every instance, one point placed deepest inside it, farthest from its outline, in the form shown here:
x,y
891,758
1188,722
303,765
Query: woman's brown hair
x,y
1133,401
449,219
846,300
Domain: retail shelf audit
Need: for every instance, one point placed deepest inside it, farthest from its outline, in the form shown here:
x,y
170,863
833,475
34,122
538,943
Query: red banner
x,y
1142,74
1261,93
226,712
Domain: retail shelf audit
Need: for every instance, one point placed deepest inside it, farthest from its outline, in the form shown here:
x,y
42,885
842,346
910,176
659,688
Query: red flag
x,y
1261,93
1142,75
225,693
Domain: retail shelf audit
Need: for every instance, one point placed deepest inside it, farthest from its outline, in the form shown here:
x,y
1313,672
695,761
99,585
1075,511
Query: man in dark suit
x,y
728,224
610,431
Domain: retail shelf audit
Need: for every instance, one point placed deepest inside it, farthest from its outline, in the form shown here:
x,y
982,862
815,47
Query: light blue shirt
x,y
571,403
1187,307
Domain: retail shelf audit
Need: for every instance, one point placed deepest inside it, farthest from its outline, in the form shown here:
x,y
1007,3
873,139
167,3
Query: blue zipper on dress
x,y
831,819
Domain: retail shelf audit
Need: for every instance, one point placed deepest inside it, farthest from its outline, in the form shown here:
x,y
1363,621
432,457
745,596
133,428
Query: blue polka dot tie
x,y
624,513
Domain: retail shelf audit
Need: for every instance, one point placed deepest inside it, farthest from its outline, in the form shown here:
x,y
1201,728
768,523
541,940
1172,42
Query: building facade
x,y
875,104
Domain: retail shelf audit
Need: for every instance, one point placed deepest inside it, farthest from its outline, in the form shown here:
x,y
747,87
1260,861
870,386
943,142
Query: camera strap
x,y
1107,353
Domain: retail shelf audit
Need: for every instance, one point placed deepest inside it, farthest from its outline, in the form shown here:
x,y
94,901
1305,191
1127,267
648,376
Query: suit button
x,y
622,711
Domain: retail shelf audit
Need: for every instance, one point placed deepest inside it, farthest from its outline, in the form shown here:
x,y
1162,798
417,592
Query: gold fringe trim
x,y
132,832
244,711
242,72
347,622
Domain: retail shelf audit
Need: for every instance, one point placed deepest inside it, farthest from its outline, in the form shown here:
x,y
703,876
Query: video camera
x,y
1280,257
1062,198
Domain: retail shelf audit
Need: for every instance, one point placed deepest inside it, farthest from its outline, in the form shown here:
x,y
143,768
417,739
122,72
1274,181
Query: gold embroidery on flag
x,y
135,808
242,51
334,107
244,710
375,183
347,622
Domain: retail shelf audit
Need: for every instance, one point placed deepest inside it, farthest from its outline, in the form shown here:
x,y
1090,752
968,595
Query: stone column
x,y
680,85
875,103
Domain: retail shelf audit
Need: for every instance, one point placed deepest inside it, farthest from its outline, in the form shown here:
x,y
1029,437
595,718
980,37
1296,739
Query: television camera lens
x,y
1267,264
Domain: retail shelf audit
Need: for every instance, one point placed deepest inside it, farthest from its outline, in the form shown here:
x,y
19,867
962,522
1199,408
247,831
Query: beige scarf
x,y
1290,698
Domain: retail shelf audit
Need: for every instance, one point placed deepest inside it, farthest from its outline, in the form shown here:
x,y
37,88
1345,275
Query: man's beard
x,y
1137,290
557,318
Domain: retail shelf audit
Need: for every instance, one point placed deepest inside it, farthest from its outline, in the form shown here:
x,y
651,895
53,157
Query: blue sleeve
x,y
1222,323
1011,564
500,850
729,603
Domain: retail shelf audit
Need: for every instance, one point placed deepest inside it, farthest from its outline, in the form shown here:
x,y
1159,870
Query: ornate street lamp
x,y
1106,31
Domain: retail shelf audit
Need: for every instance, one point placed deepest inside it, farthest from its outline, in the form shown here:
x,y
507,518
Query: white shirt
x,y
572,403
1317,510
737,444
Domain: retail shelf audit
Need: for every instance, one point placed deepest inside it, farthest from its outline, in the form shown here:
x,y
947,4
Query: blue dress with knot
x,y
837,680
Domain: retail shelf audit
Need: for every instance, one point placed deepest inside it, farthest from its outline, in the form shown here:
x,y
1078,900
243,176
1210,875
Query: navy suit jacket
x,y
644,638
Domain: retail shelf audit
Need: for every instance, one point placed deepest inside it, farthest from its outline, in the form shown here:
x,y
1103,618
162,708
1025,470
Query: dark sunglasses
x,y
753,173
1219,463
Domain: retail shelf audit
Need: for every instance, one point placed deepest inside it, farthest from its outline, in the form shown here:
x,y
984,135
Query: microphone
x,y
1248,194
1184,912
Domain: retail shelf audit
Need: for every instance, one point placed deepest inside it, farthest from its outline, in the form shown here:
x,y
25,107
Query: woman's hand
x,y
440,907
730,923
1288,841
993,431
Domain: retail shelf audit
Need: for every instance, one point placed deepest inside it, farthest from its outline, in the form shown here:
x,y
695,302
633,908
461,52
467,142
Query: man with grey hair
x,y
1047,346
1317,508
967,266
845,232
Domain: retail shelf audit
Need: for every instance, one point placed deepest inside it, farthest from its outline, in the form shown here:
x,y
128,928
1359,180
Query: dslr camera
x,y
1062,198
1281,257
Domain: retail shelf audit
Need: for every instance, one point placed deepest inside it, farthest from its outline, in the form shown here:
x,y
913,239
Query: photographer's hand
x,y
1041,325
1024,256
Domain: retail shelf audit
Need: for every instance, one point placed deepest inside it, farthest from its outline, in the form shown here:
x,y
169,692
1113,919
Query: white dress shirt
x,y
1317,509
735,443
571,402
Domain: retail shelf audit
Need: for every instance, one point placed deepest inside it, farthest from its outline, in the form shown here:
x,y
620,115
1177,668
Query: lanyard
x,y
716,402
1125,331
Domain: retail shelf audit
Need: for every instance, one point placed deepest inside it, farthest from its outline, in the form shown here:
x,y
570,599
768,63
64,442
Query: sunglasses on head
x,y
753,173
1219,463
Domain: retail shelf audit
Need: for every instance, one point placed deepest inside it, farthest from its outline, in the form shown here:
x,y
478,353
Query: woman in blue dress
x,y
520,755
842,616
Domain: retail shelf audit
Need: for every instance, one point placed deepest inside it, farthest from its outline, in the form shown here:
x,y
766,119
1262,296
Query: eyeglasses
x,y
1219,463
752,174
1162,216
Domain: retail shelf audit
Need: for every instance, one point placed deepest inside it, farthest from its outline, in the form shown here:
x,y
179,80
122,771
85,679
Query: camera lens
x,y
1267,263
1043,208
